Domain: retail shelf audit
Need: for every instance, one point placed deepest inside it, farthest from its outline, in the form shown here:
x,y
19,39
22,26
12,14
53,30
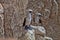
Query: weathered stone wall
x,y
15,12
50,12
13,17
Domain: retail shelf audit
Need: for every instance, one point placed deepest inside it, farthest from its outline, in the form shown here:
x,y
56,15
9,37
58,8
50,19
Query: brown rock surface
x,y
15,12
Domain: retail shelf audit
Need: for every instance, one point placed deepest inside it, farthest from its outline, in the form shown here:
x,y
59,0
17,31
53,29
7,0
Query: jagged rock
x,y
14,14
1,21
1,8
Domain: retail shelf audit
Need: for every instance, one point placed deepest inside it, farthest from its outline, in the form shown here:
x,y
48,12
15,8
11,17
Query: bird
x,y
28,18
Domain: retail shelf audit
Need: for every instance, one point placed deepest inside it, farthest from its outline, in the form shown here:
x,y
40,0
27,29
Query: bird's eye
x,y
30,11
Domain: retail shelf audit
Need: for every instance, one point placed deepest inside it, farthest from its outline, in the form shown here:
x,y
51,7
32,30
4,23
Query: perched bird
x,y
28,19
38,18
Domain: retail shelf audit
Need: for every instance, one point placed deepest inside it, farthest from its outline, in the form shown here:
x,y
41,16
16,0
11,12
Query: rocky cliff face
x,y
15,12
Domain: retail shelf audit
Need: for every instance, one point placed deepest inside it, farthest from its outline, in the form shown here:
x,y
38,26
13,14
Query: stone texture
x,y
15,12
